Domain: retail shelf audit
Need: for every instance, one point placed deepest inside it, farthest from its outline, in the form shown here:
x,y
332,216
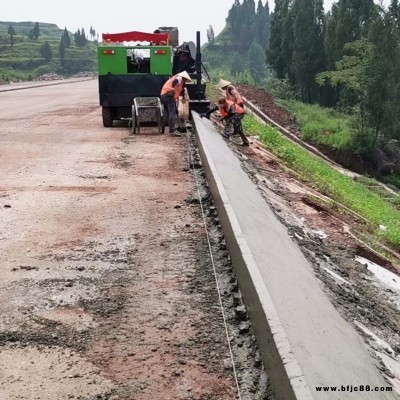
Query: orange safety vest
x,y
225,109
229,97
168,87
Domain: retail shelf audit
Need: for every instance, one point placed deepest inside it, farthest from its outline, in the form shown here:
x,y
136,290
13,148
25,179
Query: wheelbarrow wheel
x,y
162,124
133,120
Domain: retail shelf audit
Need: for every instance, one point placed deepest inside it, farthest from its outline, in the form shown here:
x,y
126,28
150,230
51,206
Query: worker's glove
x,y
222,119
183,101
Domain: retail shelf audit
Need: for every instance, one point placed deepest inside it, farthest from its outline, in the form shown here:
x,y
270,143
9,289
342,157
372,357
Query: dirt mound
x,y
265,102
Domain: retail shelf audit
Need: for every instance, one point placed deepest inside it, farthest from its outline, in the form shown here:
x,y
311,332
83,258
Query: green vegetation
x,y
354,195
321,125
346,59
238,53
29,49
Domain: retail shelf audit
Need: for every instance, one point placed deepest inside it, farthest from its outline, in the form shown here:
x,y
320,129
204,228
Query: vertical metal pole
x,y
198,67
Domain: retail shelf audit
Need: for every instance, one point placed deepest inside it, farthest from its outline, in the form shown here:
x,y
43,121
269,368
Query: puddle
x,y
385,276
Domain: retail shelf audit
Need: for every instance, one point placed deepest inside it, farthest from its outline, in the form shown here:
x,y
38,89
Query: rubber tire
x,y
107,115
160,124
134,126
164,123
133,122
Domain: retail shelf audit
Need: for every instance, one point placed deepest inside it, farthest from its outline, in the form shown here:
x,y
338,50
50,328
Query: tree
x,y
61,50
12,33
351,74
348,21
46,52
256,62
279,53
237,65
80,38
241,18
308,51
267,24
210,35
383,77
77,37
65,38
287,41
262,25
233,19
36,31
83,40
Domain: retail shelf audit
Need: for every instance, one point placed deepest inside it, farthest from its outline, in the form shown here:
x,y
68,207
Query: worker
x,y
170,93
233,114
231,93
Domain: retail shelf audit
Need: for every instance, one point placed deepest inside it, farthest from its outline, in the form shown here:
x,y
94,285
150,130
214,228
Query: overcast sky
x,y
128,15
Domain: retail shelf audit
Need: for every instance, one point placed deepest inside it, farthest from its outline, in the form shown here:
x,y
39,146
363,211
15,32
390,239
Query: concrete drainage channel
x,y
290,314
285,379
246,361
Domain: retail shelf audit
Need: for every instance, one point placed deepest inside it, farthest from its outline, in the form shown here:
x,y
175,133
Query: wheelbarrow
x,y
147,111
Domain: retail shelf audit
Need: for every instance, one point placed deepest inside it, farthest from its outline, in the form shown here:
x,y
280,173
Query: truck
x,y
135,65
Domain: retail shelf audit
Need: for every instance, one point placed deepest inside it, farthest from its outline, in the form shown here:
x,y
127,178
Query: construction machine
x,y
135,65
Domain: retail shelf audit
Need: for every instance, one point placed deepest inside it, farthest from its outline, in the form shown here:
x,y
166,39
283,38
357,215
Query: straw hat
x,y
185,75
222,84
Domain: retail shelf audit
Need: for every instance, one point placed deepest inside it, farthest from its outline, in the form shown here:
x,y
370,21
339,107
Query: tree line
x,y
79,37
347,58
246,40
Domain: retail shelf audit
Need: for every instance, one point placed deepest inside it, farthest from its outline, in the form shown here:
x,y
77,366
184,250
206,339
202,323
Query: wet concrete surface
x,y
328,350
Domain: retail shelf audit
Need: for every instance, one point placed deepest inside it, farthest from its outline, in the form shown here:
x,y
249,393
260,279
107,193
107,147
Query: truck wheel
x,y
107,117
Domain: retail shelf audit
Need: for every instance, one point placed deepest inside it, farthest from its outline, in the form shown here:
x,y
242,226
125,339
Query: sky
x,y
124,15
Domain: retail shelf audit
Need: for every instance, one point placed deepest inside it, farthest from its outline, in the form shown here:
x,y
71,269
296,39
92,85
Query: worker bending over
x,y
231,93
233,114
170,93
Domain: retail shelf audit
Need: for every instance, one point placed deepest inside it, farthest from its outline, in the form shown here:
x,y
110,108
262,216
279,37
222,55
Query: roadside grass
x,y
353,194
320,125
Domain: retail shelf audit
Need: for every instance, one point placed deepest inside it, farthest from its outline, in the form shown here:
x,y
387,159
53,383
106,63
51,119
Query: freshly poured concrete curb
x,y
287,380
303,340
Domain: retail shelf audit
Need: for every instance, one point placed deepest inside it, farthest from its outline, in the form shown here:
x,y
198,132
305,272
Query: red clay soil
x,y
265,102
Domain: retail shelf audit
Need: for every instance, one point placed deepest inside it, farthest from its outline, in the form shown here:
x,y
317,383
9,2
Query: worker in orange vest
x,y
170,93
233,114
231,93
